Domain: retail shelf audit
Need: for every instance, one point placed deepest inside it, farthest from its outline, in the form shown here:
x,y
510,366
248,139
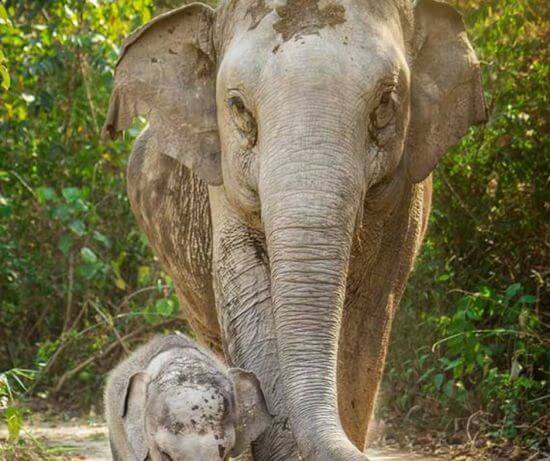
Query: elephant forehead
x,y
298,15
195,409
333,41
307,17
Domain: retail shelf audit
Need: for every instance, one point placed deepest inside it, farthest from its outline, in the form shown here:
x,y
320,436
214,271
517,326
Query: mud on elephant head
x,y
298,110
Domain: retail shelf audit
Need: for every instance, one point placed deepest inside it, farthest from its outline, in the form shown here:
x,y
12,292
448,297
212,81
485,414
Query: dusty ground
x,y
89,442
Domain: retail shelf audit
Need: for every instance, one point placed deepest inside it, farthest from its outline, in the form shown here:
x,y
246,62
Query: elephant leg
x,y
243,300
378,275
361,364
172,209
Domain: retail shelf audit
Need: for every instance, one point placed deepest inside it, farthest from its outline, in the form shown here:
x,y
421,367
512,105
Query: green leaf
x,y
120,283
448,388
78,227
512,291
65,244
4,15
144,274
425,375
6,80
98,236
45,194
485,292
527,299
81,205
438,380
453,364
88,256
164,307
71,194
88,271
5,207
62,212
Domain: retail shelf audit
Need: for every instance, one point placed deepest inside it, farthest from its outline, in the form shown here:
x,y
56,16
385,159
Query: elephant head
x,y
185,406
303,111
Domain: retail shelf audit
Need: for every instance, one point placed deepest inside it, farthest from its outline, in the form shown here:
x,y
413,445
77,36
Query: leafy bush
x,y
79,284
488,362
468,339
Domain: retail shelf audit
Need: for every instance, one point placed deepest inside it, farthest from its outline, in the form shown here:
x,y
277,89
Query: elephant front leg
x,y
361,364
378,276
243,300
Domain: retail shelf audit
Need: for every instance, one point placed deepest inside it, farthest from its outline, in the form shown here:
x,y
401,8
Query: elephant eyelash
x,y
244,121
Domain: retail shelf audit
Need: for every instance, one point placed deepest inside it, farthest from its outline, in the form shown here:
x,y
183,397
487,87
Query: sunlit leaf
x,y
4,18
28,98
14,421
120,283
164,307
88,255
6,81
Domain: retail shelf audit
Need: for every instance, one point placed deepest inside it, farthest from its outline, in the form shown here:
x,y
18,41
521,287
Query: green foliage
x,y
478,290
4,74
490,357
13,417
12,384
78,281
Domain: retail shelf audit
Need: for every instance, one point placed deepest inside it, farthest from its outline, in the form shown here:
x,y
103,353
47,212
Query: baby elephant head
x,y
192,413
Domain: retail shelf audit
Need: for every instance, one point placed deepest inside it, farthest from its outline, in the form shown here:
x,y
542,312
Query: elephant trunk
x,y
310,200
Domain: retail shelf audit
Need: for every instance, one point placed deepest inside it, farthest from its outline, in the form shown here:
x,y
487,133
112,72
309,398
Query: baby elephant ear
x,y
446,93
133,415
166,73
251,414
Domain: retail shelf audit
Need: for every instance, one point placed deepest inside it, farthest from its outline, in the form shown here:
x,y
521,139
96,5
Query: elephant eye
x,y
382,115
244,122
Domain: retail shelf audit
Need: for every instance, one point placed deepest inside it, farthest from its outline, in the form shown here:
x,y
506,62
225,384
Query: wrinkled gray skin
x,y
171,400
285,174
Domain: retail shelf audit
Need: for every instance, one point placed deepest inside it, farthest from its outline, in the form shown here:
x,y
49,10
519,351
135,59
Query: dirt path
x,y
89,442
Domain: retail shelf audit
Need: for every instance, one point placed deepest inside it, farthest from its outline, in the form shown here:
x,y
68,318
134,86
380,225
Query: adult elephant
x,y
285,179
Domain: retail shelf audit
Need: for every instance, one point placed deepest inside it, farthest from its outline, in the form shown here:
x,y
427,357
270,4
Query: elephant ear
x,y
446,92
132,412
251,416
166,73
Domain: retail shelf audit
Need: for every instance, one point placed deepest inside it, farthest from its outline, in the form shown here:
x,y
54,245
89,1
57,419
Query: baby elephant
x,y
171,400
